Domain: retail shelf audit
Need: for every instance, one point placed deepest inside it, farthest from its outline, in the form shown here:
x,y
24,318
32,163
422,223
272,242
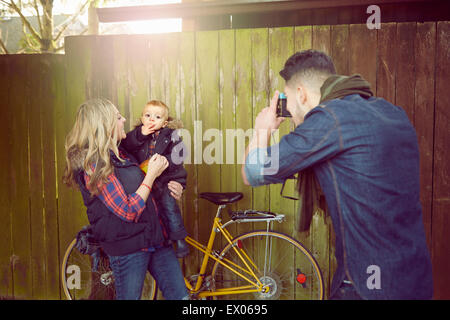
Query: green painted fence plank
x,y
6,276
19,183
188,115
208,151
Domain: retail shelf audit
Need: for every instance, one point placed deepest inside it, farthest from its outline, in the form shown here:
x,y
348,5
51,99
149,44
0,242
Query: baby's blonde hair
x,y
156,103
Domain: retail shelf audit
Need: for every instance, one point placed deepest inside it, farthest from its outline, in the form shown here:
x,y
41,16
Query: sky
x,y
69,6
133,27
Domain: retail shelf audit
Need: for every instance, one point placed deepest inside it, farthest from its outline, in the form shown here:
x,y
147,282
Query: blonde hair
x,y
89,143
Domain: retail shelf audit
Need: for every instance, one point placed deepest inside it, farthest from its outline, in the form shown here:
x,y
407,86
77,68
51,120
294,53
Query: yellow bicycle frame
x,y
255,284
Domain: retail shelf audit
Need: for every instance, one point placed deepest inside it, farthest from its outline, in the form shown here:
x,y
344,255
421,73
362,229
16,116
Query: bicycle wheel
x,y
80,282
281,263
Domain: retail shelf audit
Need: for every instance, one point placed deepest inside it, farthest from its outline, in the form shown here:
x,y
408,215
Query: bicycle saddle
x,y
221,198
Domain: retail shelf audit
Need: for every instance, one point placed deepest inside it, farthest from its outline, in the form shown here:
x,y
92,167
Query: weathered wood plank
x,y
321,38
243,113
425,49
171,79
228,117
139,76
57,91
39,77
404,81
387,61
281,47
227,107
158,71
260,97
102,69
441,173
320,223
340,48
340,55
6,277
19,184
303,41
208,151
363,53
120,83
71,210
188,115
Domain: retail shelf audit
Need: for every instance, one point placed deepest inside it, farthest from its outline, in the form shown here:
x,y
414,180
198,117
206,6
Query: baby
x,y
155,134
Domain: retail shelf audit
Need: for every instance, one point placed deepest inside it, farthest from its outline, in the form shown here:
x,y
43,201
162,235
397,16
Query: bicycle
x,y
260,264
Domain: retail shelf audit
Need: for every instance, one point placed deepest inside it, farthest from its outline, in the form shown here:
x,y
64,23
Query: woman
x,y
120,208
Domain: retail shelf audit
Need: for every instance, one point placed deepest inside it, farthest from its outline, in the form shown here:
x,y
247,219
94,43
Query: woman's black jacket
x,y
116,236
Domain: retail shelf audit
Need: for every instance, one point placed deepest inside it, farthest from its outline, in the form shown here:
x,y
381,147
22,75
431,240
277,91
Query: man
x,y
363,151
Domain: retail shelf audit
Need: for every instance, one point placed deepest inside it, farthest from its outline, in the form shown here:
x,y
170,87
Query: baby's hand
x,y
147,130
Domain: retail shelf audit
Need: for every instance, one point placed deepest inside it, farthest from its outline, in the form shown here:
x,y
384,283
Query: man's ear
x,y
302,94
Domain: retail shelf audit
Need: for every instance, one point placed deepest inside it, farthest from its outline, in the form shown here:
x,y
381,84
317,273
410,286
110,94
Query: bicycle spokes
x,y
283,268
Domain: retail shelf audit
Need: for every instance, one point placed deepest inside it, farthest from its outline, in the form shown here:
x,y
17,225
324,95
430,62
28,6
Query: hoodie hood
x,y
174,124
77,157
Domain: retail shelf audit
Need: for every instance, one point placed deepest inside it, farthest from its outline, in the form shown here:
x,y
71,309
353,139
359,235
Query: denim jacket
x,y
365,155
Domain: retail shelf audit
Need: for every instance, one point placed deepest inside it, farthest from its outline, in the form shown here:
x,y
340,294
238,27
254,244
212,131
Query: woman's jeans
x,y
129,274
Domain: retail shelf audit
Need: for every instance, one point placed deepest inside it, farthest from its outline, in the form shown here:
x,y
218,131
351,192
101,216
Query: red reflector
x,y
239,243
301,278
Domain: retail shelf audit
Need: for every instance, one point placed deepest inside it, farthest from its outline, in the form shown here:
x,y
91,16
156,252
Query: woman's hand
x,y
176,189
156,165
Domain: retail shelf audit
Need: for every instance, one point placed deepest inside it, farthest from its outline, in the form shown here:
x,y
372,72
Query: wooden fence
x,y
221,78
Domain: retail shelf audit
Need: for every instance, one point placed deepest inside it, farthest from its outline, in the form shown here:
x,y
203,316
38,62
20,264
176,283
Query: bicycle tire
x,y
80,282
292,274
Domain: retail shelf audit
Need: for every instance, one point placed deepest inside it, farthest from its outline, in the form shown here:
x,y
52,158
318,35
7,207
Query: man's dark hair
x,y
307,62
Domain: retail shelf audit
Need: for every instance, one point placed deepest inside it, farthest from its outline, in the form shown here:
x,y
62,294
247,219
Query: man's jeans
x,y
129,274
346,291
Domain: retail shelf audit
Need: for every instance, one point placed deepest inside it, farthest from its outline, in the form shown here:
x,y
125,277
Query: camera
x,y
281,106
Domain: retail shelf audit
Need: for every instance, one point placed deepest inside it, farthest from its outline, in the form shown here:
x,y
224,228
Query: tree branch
x,y
29,45
71,20
24,20
3,47
3,44
84,31
45,13
36,8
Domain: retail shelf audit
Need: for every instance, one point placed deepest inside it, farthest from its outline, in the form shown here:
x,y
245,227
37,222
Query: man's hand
x,y
265,123
267,119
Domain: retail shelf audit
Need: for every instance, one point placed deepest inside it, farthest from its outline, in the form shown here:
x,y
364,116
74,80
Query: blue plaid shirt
x,y
112,194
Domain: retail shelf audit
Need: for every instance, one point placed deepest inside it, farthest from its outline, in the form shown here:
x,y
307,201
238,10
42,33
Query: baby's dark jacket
x,y
138,145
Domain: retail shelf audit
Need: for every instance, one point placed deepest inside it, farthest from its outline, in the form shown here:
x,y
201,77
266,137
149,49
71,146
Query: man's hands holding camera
x,y
267,119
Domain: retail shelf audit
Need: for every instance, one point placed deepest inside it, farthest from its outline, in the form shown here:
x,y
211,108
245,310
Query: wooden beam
x,y
189,10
